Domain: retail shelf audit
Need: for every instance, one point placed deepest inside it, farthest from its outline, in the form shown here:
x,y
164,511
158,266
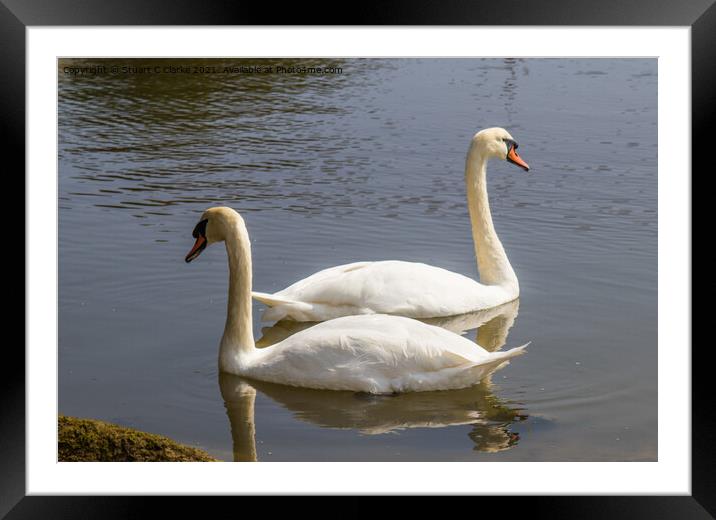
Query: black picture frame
x,y
17,15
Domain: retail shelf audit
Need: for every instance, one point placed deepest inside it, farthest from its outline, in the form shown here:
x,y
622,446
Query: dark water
x,y
362,165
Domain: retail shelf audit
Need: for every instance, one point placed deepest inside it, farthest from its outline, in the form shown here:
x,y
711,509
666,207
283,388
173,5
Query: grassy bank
x,y
89,440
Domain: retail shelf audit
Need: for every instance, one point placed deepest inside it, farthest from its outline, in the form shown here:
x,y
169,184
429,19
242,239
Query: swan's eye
x,y
511,144
200,229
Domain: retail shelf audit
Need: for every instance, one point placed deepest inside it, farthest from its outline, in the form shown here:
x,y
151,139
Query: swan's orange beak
x,y
516,159
199,246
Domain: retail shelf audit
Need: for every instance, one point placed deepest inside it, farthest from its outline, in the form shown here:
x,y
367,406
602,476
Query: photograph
x,y
409,259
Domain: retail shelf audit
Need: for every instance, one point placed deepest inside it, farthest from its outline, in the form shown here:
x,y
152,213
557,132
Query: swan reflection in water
x,y
492,326
491,418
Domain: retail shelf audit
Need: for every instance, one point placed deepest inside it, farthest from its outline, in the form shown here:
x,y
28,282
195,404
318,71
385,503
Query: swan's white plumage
x,y
412,289
377,354
370,353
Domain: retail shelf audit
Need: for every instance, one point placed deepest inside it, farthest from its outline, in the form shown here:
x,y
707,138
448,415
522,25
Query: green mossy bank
x,y
89,440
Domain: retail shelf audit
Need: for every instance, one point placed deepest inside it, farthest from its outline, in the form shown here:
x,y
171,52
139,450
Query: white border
x,y
671,475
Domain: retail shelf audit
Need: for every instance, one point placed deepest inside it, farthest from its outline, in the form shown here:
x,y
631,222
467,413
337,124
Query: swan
x,y
411,289
489,416
373,353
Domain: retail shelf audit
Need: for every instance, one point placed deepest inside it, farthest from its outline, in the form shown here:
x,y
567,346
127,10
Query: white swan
x,y
369,353
412,289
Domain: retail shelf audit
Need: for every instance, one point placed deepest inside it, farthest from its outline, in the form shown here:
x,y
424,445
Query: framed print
x,y
333,161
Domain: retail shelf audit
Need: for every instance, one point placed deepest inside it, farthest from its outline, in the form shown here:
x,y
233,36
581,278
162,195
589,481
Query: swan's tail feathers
x,y
270,299
517,351
505,356
501,358
280,308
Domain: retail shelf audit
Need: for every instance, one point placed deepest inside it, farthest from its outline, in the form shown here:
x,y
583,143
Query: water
x,y
362,165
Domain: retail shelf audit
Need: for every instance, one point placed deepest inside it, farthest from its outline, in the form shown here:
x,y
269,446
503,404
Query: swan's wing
x,y
391,287
324,277
377,353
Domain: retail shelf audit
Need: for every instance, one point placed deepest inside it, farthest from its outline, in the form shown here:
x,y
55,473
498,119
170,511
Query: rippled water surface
x,y
366,164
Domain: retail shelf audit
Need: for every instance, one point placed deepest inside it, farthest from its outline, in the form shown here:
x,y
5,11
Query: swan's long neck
x,y
238,339
492,262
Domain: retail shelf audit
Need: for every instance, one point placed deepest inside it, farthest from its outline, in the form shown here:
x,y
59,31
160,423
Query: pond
x,y
364,161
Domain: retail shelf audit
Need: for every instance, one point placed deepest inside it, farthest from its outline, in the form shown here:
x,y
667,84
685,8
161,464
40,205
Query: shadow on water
x,y
491,418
